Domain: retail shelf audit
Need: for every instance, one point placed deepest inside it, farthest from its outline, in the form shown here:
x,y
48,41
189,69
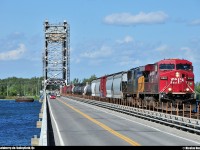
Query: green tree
x,y
89,80
13,86
76,81
197,87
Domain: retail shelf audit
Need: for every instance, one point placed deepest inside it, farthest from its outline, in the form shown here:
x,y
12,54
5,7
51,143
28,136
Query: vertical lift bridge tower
x,y
56,56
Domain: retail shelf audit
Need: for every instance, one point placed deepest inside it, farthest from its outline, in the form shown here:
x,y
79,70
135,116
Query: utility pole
x,y
35,83
24,90
7,89
38,84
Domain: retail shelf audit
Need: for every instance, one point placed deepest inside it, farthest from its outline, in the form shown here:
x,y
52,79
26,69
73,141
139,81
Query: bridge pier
x,y
35,141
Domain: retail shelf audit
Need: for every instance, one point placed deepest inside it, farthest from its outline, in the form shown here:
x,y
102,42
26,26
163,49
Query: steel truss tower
x,y
56,56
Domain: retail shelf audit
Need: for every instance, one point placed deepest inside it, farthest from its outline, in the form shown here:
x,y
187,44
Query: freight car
x,y
79,89
170,80
110,86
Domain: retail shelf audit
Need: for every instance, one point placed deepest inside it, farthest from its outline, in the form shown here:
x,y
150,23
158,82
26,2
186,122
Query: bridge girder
x,y
56,56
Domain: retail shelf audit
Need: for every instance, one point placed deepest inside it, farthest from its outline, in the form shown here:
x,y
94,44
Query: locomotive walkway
x,y
69,122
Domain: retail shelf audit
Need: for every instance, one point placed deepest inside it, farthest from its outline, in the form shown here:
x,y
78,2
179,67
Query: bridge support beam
x,y
56,57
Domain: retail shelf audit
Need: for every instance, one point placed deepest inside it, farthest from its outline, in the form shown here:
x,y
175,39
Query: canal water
x,y
18,122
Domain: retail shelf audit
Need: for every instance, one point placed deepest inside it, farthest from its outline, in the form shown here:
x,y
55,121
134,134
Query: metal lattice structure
x,y
56,58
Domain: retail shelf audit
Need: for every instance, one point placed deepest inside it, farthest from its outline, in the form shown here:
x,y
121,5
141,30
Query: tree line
x,y
76,81
197,89
14,86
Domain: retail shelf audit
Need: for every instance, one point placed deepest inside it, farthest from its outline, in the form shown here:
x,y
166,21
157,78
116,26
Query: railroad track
x,y
183,120
185,110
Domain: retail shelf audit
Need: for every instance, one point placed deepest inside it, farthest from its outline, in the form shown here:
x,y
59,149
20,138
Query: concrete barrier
x,y
43,132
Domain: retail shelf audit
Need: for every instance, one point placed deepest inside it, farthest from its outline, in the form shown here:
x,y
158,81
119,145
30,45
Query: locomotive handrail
x,y
190,88
165,87
189,124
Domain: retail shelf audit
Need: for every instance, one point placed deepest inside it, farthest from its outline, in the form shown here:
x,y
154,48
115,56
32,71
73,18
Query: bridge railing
x,y
184,123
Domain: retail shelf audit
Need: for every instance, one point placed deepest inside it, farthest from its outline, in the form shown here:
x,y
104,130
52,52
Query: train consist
x,y
168,80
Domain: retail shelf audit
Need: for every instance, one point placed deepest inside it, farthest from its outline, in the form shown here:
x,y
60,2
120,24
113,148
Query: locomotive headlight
x,y
169,89
177,74
190,83
163,78
187,89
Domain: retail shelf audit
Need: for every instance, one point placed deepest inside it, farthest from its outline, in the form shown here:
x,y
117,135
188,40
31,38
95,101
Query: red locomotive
x,y
167,80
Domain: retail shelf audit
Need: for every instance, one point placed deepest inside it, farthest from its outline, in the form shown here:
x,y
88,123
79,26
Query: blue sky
x,y
106,36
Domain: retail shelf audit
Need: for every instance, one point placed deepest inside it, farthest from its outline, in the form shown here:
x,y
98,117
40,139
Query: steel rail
x,y
182,123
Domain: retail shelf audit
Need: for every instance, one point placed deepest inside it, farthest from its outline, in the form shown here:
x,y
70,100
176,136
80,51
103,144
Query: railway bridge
x,y
73,121
77,121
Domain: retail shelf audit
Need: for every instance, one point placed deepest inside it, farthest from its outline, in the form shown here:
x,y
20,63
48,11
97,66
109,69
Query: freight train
x,y
168,80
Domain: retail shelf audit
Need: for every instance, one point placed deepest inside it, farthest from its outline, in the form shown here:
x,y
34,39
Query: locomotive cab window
x,y
183,67
166,66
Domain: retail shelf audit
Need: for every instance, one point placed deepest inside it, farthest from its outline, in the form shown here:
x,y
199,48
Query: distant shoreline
x,y
6,99
15,97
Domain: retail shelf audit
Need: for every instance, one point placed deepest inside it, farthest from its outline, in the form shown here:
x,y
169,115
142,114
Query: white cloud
x,y
75,60
71,49
13,54
187,49
195,22
190,54
162,48
104,51
141,18
128,61
127,39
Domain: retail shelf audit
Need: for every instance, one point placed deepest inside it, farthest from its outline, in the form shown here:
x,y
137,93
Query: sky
x,y
106,36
